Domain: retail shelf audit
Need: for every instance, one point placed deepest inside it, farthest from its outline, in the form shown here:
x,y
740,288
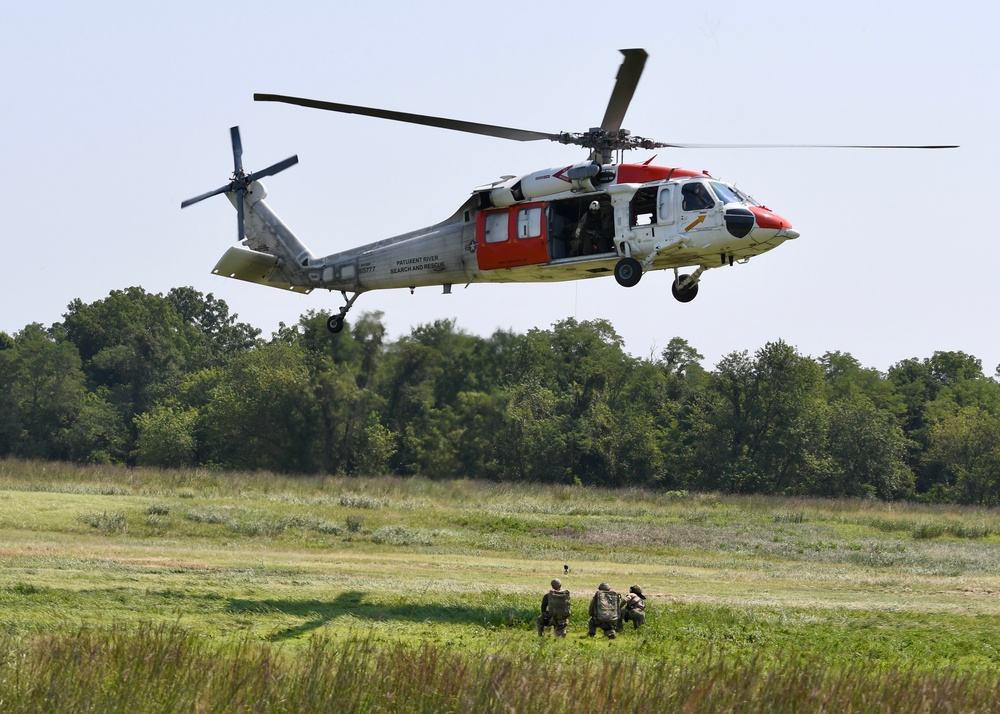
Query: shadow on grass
x,y
317,613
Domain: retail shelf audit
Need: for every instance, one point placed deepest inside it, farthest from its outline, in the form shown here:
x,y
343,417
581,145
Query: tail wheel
x,y
335,323
628,272
686,294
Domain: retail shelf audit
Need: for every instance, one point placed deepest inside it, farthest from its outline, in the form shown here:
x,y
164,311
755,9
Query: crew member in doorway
x,y
587,233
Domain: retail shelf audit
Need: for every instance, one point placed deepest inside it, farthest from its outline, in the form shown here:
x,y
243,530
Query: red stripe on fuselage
x,y
641,173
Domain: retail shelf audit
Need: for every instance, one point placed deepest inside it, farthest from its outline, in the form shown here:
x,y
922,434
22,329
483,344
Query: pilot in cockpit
x,y
695,197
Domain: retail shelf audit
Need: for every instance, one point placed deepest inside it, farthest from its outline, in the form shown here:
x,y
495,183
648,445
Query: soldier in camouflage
x,y
634,607
555,610
604,611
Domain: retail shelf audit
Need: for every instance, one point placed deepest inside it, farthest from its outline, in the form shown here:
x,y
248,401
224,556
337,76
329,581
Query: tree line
x,y
175,380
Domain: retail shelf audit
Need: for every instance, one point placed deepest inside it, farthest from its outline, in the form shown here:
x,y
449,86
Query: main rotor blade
x,y
806,146
202,197
621,96
275,168
501,132
234,133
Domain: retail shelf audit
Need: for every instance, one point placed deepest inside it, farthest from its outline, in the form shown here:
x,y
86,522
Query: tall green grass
x,y
166,669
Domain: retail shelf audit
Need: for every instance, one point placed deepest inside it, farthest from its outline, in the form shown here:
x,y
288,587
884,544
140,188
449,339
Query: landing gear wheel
x,y
627,272
686,294
335,323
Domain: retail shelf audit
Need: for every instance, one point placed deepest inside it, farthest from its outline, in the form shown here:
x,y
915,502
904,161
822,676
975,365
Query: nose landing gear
x,y
685,287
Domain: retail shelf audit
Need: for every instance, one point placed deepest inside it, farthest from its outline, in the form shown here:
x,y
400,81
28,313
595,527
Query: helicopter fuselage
x,y
590,219
551,225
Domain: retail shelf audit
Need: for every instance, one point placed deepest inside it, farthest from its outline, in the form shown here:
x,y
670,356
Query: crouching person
x,y
555,610
634,607
604,611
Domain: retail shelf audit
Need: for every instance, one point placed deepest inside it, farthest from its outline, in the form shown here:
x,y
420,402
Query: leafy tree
x,y
420,382
967,444
761,426
679,358
374,449
134,344
867,452
177,380
10,417
47,412
408,383
167,437
932,389
224,335
312,335
533,437
579,408
369,332
950,368
846,379
262,413
341,409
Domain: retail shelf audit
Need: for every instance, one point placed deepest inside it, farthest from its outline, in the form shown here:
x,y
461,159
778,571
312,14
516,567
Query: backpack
x,y
559,604
607,606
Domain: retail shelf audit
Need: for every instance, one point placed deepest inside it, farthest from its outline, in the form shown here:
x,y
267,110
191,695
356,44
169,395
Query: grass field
x,y
265,593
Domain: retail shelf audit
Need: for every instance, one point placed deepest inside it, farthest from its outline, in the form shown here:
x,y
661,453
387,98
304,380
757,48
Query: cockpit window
x,y
695,197
725,194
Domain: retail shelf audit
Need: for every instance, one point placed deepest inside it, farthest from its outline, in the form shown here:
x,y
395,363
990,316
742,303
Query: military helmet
x,y
594,206
556,584
635,589
603,586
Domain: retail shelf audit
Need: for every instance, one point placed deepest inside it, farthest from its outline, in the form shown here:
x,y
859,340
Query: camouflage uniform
x,y
603,620
548,618
634,607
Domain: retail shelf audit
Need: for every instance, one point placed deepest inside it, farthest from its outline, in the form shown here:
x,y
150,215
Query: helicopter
x,y
597,217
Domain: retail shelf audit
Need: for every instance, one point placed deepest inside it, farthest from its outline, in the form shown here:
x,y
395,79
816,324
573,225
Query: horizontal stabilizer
x,y
253,267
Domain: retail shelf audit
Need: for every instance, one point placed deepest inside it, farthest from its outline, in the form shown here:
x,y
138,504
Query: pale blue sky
x,y
115,112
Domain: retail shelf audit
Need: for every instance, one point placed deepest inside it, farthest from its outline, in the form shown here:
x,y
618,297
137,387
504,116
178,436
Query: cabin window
x,y
529,222
643,206
496,227
665,211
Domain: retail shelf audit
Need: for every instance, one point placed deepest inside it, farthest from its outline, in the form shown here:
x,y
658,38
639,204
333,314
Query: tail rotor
x,y
241,180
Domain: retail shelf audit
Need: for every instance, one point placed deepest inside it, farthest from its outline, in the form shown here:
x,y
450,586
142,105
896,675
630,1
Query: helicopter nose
x,y
768,221
766,218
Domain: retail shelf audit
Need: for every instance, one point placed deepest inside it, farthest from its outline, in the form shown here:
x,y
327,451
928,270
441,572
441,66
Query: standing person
x,y
587,232
555,610
604,611
634,607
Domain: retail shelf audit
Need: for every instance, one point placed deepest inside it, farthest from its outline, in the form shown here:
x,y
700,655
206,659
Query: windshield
x,y
745,197
725,194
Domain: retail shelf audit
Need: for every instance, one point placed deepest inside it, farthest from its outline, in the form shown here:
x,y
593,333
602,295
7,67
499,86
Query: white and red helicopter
x,y
593,218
